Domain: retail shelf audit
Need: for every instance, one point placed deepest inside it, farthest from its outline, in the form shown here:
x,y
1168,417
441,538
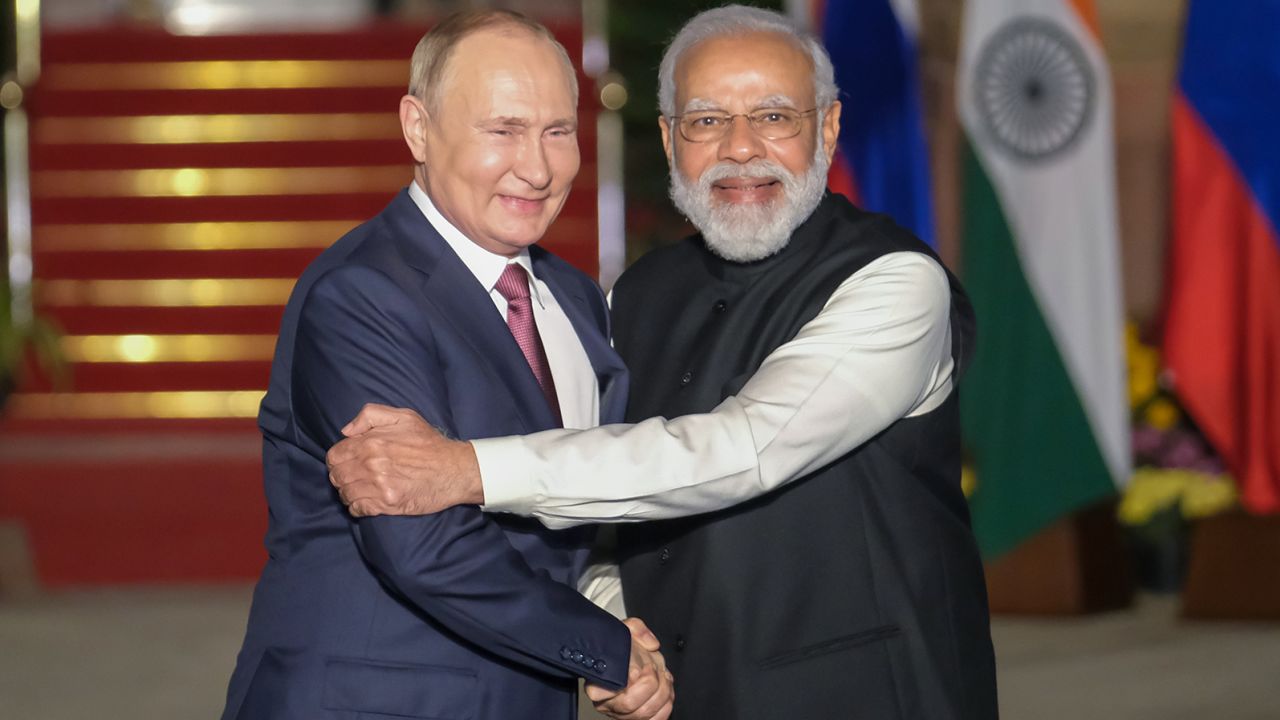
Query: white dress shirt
x,y
878,351
576,387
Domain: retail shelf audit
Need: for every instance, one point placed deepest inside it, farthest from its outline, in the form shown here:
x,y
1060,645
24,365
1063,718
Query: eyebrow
x,y
521,122
777,101
772,101
700,105
504,121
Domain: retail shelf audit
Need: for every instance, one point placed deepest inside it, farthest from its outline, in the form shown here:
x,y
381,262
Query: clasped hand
x,y
650,689
392,462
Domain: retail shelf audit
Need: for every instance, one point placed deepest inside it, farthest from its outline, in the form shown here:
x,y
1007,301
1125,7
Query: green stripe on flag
x,y
1033,451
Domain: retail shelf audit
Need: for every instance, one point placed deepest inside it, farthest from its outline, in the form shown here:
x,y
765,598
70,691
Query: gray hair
x,y
741,20
431,56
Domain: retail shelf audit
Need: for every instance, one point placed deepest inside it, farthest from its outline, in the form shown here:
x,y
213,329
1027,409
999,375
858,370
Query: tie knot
x,y
513,284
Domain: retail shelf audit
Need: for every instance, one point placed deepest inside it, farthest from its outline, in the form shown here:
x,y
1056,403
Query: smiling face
x,y
746,194
498,156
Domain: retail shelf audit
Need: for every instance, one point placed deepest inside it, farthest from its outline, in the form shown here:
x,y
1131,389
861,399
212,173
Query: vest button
x,y
664,556
680,643
686,378
720,306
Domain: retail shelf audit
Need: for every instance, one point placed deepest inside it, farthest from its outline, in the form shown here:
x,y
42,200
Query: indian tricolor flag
x,y
1044,402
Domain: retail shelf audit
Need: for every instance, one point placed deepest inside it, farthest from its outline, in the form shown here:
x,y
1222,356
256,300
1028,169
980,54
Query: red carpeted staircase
x,y
179,184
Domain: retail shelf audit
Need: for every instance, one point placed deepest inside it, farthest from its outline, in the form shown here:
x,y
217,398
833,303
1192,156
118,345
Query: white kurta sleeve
x,y
878,351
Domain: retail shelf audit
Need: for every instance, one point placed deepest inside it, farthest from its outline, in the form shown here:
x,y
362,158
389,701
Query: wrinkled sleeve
x,y
879,350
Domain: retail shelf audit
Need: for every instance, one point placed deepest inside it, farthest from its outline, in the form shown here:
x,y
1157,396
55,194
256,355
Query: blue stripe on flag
x,y
882,126
1231,76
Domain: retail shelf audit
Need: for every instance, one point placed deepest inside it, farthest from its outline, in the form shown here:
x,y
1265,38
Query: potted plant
x,y
20,340
1177,476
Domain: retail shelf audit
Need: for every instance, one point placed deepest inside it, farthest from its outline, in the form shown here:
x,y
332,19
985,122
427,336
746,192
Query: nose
x,y
741,144
531,164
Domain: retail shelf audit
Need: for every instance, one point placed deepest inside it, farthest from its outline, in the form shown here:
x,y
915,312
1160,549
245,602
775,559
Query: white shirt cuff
x,y
504,463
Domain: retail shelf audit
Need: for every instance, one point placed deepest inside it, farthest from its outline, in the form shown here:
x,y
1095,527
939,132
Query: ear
x,y
831,130
665,127
413,123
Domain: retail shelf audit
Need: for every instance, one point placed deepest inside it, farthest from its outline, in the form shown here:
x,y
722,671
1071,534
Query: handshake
x,y
378,470
649,691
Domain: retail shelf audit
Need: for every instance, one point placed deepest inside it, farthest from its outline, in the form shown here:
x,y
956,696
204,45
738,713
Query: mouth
x,y
523,205
746,189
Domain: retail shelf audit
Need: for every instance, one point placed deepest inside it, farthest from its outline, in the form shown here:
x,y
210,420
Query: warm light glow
x,y
188,182
201,292
167,348
26,39
137,348
227,75
163,129
10,95
191,236
180,405
613,96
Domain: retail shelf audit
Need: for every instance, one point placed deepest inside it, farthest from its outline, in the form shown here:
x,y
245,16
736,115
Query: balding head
x,y
430,64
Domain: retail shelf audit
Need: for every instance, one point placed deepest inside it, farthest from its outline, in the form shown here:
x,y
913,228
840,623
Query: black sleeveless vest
x,y
854,592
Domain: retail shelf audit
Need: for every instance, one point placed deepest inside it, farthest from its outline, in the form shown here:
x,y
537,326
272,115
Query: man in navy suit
x,y
442,304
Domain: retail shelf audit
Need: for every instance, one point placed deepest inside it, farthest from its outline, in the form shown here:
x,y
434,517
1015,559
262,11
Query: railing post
x,y
20,71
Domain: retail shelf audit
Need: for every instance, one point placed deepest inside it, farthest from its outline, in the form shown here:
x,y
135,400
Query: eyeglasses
x,y
769,123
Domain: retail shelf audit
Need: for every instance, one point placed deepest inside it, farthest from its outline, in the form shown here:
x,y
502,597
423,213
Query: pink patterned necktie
x,y
514,286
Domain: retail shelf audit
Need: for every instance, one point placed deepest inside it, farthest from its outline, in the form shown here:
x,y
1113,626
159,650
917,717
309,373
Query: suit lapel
x,y
459,300
611,373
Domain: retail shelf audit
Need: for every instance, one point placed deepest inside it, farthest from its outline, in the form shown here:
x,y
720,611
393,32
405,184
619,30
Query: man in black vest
x,y
808,552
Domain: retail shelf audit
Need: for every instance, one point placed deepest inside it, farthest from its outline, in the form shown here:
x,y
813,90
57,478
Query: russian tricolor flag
x,y
1222,325
882,163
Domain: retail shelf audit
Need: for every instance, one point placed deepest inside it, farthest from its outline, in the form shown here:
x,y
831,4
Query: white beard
x,y
750,231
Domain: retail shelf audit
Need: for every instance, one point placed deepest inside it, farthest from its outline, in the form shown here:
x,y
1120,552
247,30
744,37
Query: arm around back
x,y
362,339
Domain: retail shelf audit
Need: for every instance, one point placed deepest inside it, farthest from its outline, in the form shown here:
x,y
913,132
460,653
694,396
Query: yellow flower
x,y
1162,414
1144,369
1131,336
968,481
1196,494
1210,495
1141,387
1150,491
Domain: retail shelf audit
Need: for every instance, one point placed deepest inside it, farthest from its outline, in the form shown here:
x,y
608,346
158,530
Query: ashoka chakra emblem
x,y
1034,88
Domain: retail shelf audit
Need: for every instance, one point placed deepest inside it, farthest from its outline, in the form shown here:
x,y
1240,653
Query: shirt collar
x,y
486,266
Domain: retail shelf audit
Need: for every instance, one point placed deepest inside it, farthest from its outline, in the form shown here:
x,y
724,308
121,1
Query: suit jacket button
x,y
565,652
601,666
720,306
577,656
686,378
664,556
680,643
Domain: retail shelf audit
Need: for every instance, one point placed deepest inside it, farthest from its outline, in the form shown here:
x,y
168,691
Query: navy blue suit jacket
x,y
448,616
